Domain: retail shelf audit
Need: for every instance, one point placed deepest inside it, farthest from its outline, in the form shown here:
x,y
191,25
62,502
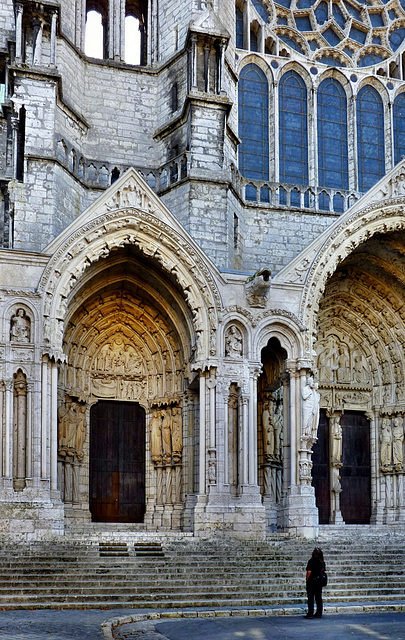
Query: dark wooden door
x,y
320,469
355,499
117,462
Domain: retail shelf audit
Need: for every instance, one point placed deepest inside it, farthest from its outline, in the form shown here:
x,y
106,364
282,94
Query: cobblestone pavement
x,y
50,624
86,625
360,626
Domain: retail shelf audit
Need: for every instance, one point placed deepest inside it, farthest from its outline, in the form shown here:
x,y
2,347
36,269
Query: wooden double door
x,y
355,473
117,462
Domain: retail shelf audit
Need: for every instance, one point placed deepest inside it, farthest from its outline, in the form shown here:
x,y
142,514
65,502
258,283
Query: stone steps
x,y
189,573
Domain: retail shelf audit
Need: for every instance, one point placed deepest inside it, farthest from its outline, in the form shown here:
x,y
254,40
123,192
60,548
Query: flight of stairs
x,y
190,573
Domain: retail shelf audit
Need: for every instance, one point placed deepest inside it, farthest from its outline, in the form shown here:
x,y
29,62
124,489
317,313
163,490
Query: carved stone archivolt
x,y
147,230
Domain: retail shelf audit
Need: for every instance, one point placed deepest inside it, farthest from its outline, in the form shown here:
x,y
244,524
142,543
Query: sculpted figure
x,y
156,437
386,443
20,327
310,417
177,431
268,432
398,442
80,430
342,361
336,432
166,435
278,430
233,343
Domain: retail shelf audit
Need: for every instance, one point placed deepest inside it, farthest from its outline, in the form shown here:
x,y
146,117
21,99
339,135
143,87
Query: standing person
x,y
315,566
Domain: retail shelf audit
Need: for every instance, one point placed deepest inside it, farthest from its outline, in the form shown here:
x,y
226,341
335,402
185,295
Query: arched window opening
x,y
132,40
370,137
253,95
239,28
136,12
293,129
399,127
254,40
332,135
95,39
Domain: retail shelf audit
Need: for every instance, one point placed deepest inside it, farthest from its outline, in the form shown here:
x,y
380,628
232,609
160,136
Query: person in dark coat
x,y
315,566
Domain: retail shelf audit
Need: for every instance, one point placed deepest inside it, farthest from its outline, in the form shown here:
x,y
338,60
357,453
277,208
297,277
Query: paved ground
x,y
86,625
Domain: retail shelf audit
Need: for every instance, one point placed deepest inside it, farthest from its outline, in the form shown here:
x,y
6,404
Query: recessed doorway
x,y
117,462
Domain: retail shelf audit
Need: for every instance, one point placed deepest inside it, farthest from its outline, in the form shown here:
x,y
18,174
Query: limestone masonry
x,y
202,291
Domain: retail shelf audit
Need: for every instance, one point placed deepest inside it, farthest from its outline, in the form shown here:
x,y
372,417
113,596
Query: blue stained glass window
x,y
253,94
332,135
399,127
303,23
284,3
321,12
370,59
291,43
376,19
370,137
339,17
397,38
353,11
331,62
293,129
239,29
261,10
358,35
331,37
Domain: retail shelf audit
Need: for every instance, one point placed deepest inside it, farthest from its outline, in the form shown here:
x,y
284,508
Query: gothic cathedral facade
x,y
202,259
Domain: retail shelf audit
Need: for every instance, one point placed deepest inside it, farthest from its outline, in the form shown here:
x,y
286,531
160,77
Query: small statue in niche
x,y
20,327
233,343
386,444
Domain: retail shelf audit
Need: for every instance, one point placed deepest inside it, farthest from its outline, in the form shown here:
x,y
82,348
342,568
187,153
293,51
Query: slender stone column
x,y
20,395
54,19
37,32
221,66
54,426
207,51
15,126
245,440
253,430
193,70
226,438
18,33
202,472
29,431
292,405
44,418
2,407
246,25
8,440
